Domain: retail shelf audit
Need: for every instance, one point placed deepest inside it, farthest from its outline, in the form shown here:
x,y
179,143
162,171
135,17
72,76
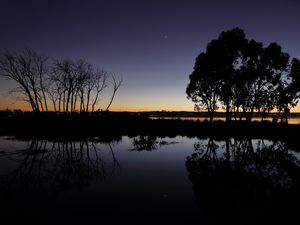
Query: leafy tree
x,y
246,85
260,72
204,85
229,57
288,92
215,70
244,76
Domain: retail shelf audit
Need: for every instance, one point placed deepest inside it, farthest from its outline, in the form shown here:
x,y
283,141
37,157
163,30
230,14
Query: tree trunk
x,y
211,116
227,112
111,100
59,102
95,101
68,100
88,101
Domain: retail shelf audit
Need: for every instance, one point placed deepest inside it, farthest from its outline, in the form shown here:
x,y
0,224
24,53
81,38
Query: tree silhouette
x,y
204,85
76,85
229,55
214,72
28,70
260,75
243,76
287,93
69,86
116,83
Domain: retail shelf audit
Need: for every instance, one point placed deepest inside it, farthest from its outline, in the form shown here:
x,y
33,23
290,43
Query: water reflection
x,y
80,181
234,181
244,181
55,166
148,143
291,120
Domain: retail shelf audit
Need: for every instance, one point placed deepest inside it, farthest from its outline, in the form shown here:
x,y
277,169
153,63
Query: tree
x,y
214,72
28,69
116,84
64,75
247,79
76,80
68,85
259,76
242,75
228,55
204,85
288,92
100,80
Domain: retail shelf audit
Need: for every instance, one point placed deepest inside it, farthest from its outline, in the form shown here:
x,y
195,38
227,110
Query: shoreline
x,y
110,125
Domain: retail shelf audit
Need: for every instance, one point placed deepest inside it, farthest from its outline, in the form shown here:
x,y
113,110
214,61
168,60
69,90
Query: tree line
x,y
243,76
57,85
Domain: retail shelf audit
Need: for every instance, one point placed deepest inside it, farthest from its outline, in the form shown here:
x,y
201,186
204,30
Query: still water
x,y
146,180
291,120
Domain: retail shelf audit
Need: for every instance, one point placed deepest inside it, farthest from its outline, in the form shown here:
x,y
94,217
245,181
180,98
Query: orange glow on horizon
x,y
119,106
25,107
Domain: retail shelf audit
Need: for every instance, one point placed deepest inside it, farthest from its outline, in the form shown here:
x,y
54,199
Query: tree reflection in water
x,y
148,143
245,181
55,166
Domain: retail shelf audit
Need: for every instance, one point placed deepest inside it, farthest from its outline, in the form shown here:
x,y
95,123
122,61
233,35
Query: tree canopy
x,y
243,76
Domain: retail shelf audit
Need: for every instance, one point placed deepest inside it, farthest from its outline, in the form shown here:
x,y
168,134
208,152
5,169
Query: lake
x,y
291,120
147,180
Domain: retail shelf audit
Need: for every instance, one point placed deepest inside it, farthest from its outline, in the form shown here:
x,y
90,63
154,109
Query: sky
x,y
152,44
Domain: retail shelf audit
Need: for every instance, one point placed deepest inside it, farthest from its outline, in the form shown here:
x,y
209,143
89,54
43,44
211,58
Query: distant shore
x,y
110,124
156,114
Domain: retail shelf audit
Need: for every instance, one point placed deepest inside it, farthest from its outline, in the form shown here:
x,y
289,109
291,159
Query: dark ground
x,y
126,124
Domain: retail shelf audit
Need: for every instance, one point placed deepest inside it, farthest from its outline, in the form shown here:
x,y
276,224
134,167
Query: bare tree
x,y
100,79
77,85
68,85
64,74
116,83
28,69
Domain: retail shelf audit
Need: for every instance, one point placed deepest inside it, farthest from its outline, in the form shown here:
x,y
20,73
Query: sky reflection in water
x,y
143,179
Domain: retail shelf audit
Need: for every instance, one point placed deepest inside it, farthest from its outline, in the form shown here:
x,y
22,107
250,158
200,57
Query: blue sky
x,y
152,44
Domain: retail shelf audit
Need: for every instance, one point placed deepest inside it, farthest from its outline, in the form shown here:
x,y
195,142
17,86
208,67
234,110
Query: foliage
x,y
243,76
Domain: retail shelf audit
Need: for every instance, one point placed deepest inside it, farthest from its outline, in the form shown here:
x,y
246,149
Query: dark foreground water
x,y
148,180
